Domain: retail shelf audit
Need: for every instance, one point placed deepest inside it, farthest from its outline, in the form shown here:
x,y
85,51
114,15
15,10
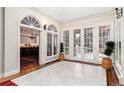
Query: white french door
x,y
77,44
52,46
66,44
104,36
87,43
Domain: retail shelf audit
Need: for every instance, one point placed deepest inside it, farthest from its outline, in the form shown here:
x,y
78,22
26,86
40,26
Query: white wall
x,y
25,39
12,18
1,41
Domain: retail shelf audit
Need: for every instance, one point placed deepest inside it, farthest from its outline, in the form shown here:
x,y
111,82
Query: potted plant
x,y
61,55
107,62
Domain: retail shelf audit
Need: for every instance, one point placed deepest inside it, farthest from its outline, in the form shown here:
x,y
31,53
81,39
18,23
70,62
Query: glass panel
x,y
104,32
55,44
24,22
49,44
52,28
77,42
88,43
66,42
36,24
118,44
30,21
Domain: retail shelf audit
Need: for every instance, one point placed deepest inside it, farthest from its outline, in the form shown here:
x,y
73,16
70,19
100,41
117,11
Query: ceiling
x,y
69,13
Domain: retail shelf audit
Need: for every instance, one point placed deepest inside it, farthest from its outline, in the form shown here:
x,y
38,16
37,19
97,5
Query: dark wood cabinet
x,y
29,51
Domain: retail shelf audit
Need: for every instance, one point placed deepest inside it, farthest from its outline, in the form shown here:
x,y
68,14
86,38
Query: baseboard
x,y
88,63
118,71
55,59
11,73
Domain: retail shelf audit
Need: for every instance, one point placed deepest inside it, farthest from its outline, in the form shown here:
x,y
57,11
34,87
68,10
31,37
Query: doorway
x,y
88,54
29,43
29,48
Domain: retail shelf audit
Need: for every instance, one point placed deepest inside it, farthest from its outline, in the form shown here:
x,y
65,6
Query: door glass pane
x,y
88,43
104,35
66,42
55,44
104,32
118,44
77,43
49,44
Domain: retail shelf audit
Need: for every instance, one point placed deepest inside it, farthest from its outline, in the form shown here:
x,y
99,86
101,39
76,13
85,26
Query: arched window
x,y
30,21
52,41
52,28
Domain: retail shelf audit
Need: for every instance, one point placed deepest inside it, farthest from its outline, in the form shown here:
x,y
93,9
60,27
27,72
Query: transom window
x,y
52,28
30,21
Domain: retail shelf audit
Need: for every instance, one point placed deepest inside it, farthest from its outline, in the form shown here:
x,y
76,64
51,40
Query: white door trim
x,y
18,45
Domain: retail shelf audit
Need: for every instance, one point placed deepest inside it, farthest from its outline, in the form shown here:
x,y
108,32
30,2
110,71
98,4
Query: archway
x,y
29,43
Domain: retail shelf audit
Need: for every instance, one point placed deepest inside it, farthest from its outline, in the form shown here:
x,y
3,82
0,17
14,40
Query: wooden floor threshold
x,y
112,79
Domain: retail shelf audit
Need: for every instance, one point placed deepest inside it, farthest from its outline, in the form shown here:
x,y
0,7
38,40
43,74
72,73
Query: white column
x,y
82,43
1,41
96,44
43,47
122,48
71,42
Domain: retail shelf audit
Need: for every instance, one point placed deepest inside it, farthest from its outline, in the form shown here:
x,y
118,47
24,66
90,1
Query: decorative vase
x,y
61,57
107,63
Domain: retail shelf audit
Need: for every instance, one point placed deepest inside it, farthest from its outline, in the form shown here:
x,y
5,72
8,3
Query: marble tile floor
x,y
64,74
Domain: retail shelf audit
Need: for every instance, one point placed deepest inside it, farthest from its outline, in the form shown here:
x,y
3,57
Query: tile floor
x,y
64,74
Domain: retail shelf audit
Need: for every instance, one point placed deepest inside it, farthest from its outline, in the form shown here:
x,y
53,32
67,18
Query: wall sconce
x,y
45,27
119,12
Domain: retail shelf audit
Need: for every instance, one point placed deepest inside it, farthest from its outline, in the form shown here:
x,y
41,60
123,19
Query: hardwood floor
x,y
112,79
28,62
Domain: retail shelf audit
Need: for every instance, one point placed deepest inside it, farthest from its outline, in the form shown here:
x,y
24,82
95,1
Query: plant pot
x,y
106,63
61,57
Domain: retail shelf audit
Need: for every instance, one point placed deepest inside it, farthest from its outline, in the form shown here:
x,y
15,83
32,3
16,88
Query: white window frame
x,y
53,56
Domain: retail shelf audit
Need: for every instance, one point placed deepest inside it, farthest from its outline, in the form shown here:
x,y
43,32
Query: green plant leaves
x,y
110,48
